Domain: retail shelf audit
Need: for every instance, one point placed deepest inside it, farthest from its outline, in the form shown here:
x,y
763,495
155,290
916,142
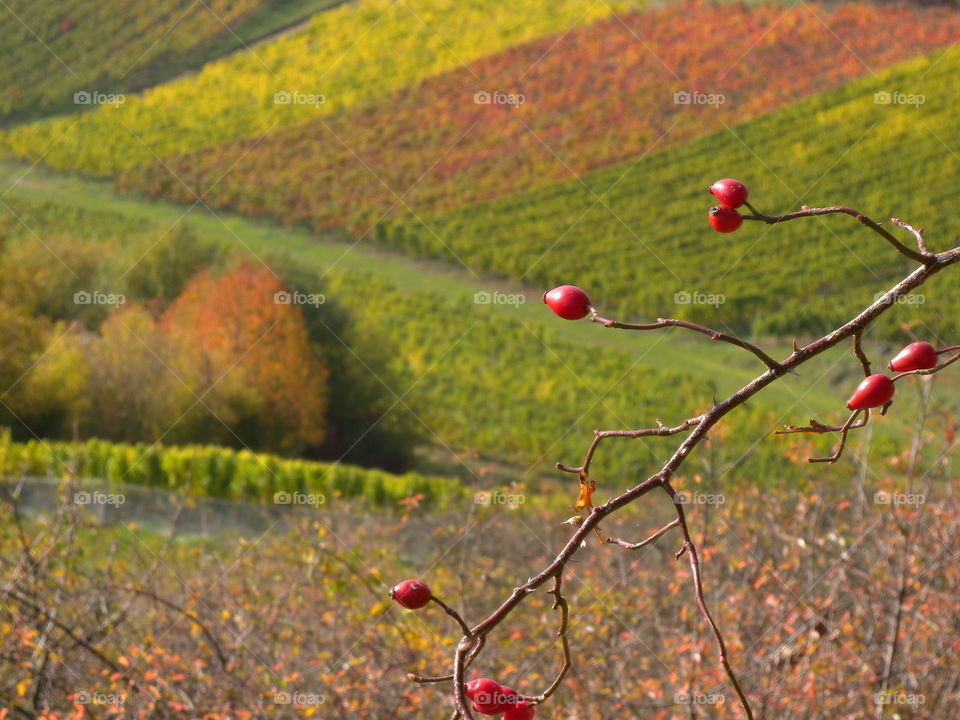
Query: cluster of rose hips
x,y
731,194
878,389
488,696
573,303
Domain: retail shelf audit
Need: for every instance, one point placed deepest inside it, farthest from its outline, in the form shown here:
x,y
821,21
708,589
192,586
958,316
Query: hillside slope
x,y
113,47
554,108
637,234
345,57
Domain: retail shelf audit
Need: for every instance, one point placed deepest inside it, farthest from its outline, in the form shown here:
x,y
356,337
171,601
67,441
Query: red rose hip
x,y
568,301
483,685
725,219
915,356
411,594
875,391
521,711
729,192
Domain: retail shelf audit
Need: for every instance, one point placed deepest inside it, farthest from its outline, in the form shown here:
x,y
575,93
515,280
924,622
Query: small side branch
x,y
712,334
916,232
924,257
861,356
427,679
637,545
454,614
598,435
559,603
691,548
819,428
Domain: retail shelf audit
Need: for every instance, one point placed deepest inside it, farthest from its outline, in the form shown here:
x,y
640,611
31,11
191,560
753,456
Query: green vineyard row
x,y
220,472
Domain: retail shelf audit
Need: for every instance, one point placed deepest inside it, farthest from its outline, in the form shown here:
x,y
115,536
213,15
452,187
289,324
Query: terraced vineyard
x,y
637,235
346,57
552,110
109,47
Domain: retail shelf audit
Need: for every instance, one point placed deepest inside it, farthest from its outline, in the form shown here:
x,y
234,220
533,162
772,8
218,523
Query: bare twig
x,y
861,356
454,614
599,435
701,603
637,545
713,334
426,679
917,233
818,428
559,602
925,258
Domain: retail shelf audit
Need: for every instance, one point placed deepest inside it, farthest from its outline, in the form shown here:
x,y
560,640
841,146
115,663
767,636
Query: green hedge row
x,y
219,472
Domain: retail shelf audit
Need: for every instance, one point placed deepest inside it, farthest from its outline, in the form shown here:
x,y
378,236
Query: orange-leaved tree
x,y
248,358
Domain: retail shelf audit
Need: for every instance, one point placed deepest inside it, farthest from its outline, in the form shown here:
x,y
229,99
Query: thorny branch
x,y
472,641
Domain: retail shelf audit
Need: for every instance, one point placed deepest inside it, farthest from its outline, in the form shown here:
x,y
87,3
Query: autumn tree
x,y
246,355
